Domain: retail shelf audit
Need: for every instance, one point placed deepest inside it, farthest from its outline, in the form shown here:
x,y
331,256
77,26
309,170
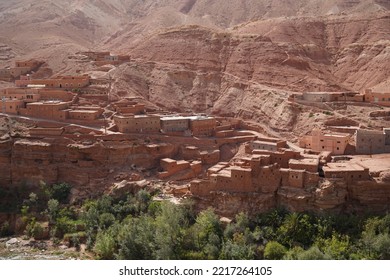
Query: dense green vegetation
x,y
137,227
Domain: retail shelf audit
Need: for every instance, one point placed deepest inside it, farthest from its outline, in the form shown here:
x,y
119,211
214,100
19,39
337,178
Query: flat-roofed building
x,y
372,141
202,125
332,142
56,110
138,123
380,97
346,170
175,124
79,114
67,82
307,164
263,145
11,106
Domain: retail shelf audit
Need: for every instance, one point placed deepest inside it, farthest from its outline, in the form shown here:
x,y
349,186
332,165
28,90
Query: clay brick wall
x,y
350,173
49,94
370,141
190,152
222,182
55,111
282,158
130,109
296,178
267,179
12,106
200,187
84,114
67,82
196,166
46,131
241,179
380,98
171,167
210,157
138,124
32,63
335,143
27,95
310,166
203,126
168,164
174,125
17,71
262,145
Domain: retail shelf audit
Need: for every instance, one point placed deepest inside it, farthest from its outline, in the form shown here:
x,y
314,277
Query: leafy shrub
x,y
59,192
274,251
5,229
105,246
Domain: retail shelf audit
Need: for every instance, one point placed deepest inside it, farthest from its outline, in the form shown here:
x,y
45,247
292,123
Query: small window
x,y
338,148
323,147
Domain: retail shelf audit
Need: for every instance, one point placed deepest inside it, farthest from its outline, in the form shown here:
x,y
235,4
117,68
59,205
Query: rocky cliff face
x,y
89,166
330,196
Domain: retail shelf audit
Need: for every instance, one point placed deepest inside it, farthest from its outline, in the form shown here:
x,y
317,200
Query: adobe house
x,y
380,97
202,125
89,115
332,96
27,95
31,63
138,123
372,141
36,94
174,124
307,164
265,143
56,110
332,142
11,106
281,157
128,107
172,167
348,171
66,82
20,68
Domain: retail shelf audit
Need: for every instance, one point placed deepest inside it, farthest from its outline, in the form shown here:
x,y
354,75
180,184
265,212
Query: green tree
x,y
105,245
237,248
58,191
274,251
337,247
53,210
170,225
296,228
136,239
313,253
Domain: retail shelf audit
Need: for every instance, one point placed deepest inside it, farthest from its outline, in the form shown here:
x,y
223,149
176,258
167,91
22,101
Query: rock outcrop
x,y
90,165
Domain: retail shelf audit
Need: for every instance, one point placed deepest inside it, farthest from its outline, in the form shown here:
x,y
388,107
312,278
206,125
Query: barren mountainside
x,y
231,58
